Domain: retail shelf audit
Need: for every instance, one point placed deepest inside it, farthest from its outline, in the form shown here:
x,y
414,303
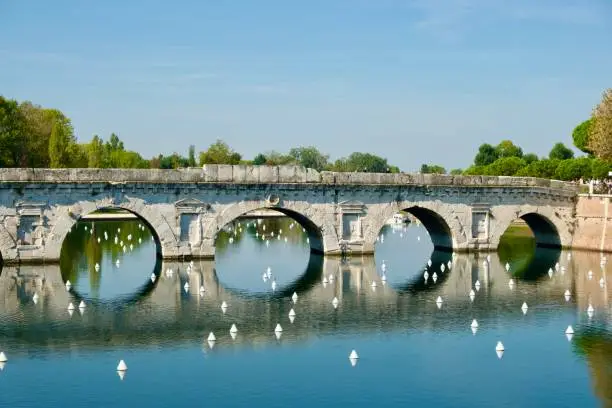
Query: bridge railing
x,y
243,174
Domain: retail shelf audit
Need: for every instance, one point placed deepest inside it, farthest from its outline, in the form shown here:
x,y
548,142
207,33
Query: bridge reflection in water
x,y
163,312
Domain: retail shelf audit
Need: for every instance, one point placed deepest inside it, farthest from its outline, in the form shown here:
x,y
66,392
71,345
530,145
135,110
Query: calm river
x,y
413,351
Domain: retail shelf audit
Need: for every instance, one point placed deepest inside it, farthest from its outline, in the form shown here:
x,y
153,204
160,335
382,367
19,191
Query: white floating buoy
x,y
292,313
373,284
477,285
153,278
294,298
224,305
429,263
186,287
474,324
35,298
426,275
507,267
569,330
3,358
335,302
82,305
70,306
354,355
434,276
550,272
511,283
567,293
234,329
442,268
122,366
439,302
590,309
500,346
211,337
590,275
274,285
325,279
278,328
68,285
472,293
291,319
524,308
202,290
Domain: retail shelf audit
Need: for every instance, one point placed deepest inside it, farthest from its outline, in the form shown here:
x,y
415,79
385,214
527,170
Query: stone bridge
x,y
164,312
340,211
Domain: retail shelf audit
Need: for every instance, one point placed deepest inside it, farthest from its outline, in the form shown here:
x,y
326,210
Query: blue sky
x,y
412,80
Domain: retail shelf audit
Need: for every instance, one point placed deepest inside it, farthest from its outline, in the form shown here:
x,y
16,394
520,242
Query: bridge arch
x,y
438,221
165,240
321,231
547,225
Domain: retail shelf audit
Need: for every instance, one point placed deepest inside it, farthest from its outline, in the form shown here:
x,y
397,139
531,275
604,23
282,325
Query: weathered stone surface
x,y
465,213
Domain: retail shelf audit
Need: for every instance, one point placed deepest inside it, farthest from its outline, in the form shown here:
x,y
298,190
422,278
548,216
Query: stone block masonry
x,y
340,211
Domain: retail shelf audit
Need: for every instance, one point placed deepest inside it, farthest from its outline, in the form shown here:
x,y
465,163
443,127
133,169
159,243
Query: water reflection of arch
x,y
536,266
419,284
305,282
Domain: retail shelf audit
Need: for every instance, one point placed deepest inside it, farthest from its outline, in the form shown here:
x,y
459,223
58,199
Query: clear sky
x,y
412,80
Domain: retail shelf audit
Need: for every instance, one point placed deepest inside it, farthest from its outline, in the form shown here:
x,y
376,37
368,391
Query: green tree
x,y
362,162
309,157
432,169
506,166
600,169
191,158
95,153
582,136
60,143
456,172
219,153
600,141
561,152
274,158
260,159
508,149
530,158
10,130
486,155
574,169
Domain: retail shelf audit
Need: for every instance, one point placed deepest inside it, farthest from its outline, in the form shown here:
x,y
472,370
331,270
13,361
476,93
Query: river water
x,y
412,350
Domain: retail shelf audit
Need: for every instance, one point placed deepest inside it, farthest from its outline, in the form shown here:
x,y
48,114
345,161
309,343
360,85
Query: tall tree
x,y
95,153
561,152
432,169
309,157
582,136
362,162
191,158
601,131
486,155
219,153
58,146
506,148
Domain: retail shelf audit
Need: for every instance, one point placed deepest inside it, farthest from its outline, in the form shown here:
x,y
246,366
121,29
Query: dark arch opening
x,y
544,231
438,229
106,238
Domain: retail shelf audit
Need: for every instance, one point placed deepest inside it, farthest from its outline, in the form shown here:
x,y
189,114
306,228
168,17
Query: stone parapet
x,y
242,174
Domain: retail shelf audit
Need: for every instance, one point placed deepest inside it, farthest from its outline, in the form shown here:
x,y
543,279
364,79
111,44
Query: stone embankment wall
x,y
593,223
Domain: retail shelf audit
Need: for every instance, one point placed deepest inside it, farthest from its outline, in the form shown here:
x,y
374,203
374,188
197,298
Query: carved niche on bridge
x,y
30,224
352,212
480,221
189,219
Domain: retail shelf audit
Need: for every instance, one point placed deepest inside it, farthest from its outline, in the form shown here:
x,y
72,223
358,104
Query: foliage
x,y
581,136
600,169
362,162
542,168
530,158
456,172
561,152
309,157
432,169
574,169
600,138
191,160
508,149
506,166
486,155
259,160
219,153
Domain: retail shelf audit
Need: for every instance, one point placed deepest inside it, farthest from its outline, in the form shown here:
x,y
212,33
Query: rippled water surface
x,y
413,351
